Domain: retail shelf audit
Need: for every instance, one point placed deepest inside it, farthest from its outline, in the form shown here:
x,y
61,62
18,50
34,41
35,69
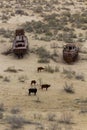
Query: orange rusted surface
x,y
70,53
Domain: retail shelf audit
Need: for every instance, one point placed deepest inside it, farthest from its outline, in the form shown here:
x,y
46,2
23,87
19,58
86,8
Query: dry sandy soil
x,y
48,110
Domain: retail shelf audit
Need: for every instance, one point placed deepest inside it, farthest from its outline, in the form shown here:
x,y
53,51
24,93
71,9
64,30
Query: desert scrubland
x,y
48,25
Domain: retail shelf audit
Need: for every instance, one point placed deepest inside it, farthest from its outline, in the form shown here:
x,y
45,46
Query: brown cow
x,y
33,82
39,69
45,86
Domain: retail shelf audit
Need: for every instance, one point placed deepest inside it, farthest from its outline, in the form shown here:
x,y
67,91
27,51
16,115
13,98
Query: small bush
x,y
1,76
15,110
15,122
43,53
22,78
69,73
80,77
21,12
1,115
68,88
7,52
56,69
2,107
49,69
6,79
43,60
66,118
8,34
40,127
51,117
2,31
83,109
39,9
38,100
4,17
11,69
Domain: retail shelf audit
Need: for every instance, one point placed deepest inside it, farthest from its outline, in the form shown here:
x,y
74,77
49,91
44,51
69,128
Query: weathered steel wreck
x,y
20,43
70,53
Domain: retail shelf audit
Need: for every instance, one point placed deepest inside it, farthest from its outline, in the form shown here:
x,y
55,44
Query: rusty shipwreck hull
x,y
20,43
70,53
70,56
20,47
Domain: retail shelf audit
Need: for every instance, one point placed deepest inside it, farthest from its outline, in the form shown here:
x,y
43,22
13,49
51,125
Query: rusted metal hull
x,y
20,45
20,51
70,57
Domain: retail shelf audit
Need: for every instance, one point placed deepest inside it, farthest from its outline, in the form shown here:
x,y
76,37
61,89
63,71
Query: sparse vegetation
x,y
2,107
49,69
16,122
44,55
1,115
49,25
15,110
80,77
68,88
6,79
66,118
51,117
22,78
83,109
68,73
11,69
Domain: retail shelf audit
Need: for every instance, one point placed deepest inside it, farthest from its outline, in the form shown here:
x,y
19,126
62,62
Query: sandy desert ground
x,y
54,109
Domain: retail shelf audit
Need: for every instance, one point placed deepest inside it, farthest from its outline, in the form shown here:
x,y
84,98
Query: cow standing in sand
x,y
46,86
39,69
32,90
33,82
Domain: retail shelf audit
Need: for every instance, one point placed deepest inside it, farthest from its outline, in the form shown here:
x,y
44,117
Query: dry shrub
x,y
49,69
2,107
55,126
69,88
37,116
43,60
15,122
1,115
38,9
83,109
11,69
80,76
57,69
69,73
40,127
66,118
22,78
38,100
7,52
51,117
20,12
55,55
6,79
15,110
54,45
43,53
1,76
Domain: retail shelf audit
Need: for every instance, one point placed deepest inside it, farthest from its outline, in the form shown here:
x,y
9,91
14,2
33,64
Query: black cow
x,y
33,82
45,86
32,90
